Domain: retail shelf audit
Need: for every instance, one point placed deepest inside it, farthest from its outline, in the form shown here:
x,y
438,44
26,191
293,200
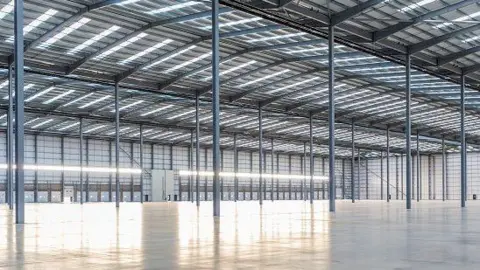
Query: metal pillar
x,y
216,106
388,164
311,159
278,181
419,167
331,117
141,164
401,174
197,148
396,178
132,189
205,165
81,160
62,173
352,167
260,154
10,170
221,178
117,147
235,168
110,161
190,167
366,178
429,177
289,180
251,179
302,170
408,132
381,175
272,169
19,113
463,157
87,178
444,168
358,173
35,174
343,179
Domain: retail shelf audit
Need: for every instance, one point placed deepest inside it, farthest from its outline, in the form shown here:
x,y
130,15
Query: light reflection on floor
x,y
280,235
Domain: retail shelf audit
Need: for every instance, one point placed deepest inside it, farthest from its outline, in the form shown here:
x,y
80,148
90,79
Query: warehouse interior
x,y
225,134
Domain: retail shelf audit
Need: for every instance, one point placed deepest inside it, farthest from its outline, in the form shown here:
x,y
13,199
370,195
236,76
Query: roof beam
x,y
144,28
388,31
454,56
353,11
471,69
415,48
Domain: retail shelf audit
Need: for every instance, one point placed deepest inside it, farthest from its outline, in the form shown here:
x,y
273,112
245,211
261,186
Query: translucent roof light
x,y
69,126
128,106
264,78
34,24
293,85
277,37
7,9
169,57
416,5
63,33
180,115
123,44
42,123
39,94
234,23
145,52
94,102
157,110
94,39
225,72
59,96
28,86
189,62
95,128
174,7
461,19
76,100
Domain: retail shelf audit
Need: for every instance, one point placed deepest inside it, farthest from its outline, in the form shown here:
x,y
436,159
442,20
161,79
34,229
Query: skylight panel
x,y
59,96
180,115
461,19
128,106
7,9
95,101
416,5
293,85
31,121
145,52
264,78
39,94
3,84
157,110
225,72
234,23
317,92
189,62
95,128
174,7
63,33
120,46
42,123
25,88
120,131
277,37
126,2
27,29
94,39
169,57
77,100
69,126
471,39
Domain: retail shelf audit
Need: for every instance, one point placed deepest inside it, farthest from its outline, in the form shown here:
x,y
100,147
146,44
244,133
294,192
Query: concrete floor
x,y
281,235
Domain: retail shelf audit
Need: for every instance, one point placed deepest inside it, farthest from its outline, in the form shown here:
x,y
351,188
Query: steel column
x,y
235,168
251,179
110,161
463,157
272,169
197,148
429,177
304,184
10,170
62,174
81,160
388,164
141,165
419,167
343,179
366,178
311,158
278,181
19,113
260,154
117,147
132,189
401,174
87,178
331,118
352,167
396,178
289,180
444,169
35,174
358,173
408,132
216,106
190,167
381,175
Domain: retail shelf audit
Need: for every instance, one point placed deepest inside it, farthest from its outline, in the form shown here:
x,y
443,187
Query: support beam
x,y
304,172
381,175
81,159
110,163
444,169
87,178
190,167
408,132
19,114
117,147
331,117
454,56
216,106
10,170
235,168
62,174
463,163
419,167
141,165
197,149
35,176
260,155
353,11
272,169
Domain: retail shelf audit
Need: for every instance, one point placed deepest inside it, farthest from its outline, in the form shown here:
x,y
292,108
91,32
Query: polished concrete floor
x,y
281,235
